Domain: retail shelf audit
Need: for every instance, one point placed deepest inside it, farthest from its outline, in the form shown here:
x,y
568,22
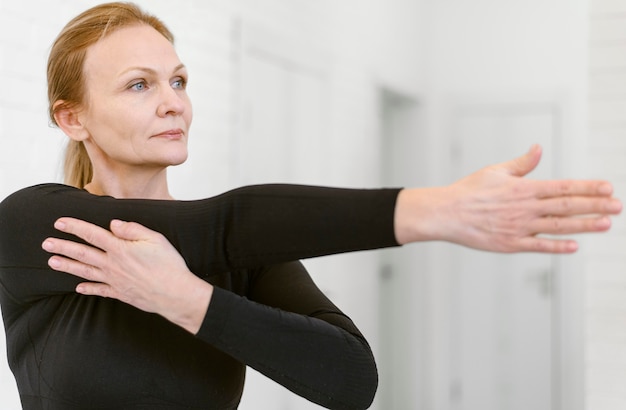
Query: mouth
x,y
174,135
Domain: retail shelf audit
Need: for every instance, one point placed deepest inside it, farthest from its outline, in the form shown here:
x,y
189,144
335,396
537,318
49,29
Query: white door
x,y
502,305
403,296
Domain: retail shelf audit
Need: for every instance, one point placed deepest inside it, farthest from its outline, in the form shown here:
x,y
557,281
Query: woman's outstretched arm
x,y
494,209
497,209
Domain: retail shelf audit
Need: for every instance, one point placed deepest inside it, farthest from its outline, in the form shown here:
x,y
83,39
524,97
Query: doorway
x,y
504,336
403,303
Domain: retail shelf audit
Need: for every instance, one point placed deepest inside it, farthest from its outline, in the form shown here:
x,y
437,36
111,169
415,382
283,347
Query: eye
x,y
138,86
179,83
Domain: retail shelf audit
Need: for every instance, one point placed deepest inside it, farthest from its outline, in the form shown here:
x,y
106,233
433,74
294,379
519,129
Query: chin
x,y
178,161
176,158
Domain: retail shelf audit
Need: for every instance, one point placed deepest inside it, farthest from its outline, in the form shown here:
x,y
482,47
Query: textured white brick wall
x,y
605,276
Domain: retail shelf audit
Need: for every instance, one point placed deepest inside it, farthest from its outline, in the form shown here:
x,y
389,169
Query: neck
x,y
146,185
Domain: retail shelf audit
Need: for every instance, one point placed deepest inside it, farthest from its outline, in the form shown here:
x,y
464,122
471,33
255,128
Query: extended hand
x,y
496,209
133,264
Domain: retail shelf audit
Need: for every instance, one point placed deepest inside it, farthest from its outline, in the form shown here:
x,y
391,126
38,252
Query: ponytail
x,y
77,169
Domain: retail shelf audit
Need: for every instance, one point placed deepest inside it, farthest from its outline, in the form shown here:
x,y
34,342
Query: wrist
x,y
422,214
193,303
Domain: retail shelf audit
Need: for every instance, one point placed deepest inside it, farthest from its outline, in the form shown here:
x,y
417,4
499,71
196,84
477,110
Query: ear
x,y
68,119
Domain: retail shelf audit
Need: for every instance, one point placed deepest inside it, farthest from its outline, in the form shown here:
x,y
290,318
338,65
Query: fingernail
x,y
54,263
615,205
605,189
60,225
116,223
572,246
603,223
47,245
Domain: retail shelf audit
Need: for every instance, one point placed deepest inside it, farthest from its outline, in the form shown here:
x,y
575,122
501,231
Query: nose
x,y
170,102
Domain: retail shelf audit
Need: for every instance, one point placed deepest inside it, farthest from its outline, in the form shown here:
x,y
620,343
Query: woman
x,y
194,291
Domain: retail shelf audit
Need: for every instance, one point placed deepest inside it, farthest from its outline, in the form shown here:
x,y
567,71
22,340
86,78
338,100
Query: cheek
x,y
105,117
188,112
116,133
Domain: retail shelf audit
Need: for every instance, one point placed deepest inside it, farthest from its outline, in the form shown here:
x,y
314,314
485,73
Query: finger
x,y
579,205
566,226
571,187
74,250
95,289
546,245
75,268
523,165
131,231
87,231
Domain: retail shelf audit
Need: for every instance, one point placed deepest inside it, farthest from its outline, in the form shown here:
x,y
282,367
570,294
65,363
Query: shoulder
x,y
36,199
39,190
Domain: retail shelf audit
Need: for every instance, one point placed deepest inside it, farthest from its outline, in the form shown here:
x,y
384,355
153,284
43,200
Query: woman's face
x,y
137,111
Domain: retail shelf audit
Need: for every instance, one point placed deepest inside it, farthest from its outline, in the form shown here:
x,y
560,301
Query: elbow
x,y
358,389
365,396
368,385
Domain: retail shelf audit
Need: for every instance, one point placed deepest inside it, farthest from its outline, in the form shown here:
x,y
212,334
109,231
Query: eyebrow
x,y
150,70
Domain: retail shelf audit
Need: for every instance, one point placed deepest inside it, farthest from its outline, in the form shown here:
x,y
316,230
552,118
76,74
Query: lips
x,y
176,134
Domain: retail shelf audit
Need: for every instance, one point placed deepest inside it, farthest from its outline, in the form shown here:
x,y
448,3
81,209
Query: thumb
x,y
129,231
523,165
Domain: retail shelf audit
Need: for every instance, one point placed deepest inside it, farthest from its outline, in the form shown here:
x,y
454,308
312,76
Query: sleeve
x,y
292,333
244,228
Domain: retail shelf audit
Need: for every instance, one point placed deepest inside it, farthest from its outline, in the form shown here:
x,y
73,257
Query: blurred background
x,y
376,93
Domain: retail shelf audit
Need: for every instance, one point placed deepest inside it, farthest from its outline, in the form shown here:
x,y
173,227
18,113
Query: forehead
x,y
134,46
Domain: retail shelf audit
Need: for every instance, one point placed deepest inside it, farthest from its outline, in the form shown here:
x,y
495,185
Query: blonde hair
x,y
66,80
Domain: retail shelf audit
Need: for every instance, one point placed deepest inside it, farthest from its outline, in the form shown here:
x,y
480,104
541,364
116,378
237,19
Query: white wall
x,y
605,310
30,149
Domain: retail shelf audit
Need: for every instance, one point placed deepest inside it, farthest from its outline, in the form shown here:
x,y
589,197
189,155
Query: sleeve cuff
x,y
217,315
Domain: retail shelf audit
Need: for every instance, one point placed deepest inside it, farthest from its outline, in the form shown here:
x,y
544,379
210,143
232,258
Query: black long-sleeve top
x,y
70,351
